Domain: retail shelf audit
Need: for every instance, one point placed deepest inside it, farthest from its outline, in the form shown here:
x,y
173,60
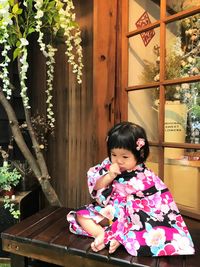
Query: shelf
x,y
18,196
183,162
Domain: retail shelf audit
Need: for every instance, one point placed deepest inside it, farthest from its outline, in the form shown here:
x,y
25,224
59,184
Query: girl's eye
x,y
125,157
113,155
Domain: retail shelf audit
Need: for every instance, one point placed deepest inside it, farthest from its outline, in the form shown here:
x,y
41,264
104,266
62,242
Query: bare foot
x,y
98,243
114,244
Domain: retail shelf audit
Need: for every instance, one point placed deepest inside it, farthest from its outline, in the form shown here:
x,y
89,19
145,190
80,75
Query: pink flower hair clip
x,y
140,143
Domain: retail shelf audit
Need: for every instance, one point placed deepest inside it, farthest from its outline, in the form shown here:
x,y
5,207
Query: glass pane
x,y
143,12
141,111
182,44
143,59
182,113
152,161
183,179
174,6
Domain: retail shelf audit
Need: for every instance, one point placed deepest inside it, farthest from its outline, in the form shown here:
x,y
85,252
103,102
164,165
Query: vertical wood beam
x,y
121,96
105,15
162,87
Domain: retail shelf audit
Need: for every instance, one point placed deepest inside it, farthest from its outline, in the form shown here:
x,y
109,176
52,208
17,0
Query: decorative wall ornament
x,y
143,21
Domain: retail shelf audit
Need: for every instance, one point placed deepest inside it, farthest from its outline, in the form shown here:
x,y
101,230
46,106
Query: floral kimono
x,y
142,213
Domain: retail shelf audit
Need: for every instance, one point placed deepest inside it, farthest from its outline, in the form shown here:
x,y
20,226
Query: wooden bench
x,y
45,236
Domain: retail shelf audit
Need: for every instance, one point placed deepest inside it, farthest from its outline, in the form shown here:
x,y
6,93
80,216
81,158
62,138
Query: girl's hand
x,y
108,178
114,170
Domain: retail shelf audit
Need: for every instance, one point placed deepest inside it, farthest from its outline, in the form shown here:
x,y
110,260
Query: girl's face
x,y
124,158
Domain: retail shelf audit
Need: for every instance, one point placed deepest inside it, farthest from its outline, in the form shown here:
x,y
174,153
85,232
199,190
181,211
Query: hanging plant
x,y
50,19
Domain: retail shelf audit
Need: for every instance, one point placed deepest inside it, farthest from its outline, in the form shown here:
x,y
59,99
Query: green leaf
x,y
31,30
11,2
18,43
30,4
51,5
19,11
16,53
15,8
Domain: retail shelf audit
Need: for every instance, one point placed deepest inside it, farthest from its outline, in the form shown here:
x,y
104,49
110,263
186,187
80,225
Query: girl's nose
x,y
119,161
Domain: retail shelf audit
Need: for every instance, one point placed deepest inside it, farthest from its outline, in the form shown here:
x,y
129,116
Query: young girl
x,y
132,207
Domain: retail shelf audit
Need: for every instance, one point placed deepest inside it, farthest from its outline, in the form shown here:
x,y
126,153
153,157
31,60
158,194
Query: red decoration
x,y
143,21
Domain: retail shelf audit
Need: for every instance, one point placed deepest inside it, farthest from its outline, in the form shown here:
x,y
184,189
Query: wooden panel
x,y
57,161
84,113
82,118
71,150
105,16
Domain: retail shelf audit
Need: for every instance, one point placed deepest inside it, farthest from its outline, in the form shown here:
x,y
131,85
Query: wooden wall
x,y
83,113
73,147
104,50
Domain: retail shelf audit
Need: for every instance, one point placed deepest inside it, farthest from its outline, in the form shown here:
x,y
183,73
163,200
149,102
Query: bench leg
x,y
18,261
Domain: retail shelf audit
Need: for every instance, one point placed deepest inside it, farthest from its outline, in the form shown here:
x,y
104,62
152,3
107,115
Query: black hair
x,y
125,135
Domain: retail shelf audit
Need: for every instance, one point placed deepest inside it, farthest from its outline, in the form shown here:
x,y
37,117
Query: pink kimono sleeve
x,y
93,174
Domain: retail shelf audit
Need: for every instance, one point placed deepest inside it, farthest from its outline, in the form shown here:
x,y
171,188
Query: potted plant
x,y
9,178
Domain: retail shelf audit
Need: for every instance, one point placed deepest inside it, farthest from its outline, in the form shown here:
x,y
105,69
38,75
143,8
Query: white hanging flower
x,y
50,71
5,21
48,18
23,42
23,72
71,40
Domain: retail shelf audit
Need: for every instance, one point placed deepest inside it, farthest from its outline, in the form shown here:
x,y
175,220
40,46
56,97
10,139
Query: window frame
x,y
122,71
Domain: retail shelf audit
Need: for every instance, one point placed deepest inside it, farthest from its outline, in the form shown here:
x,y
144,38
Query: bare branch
x,y
18,135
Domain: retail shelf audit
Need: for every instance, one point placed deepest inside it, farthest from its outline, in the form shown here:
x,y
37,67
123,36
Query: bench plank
x,y
121,254
64,239
45,236
81,247
102,255
38,227
145,261
175,261
191,260
19,227
51,230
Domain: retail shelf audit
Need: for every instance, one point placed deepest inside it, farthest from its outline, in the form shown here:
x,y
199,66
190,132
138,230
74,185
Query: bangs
x,y
120,141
